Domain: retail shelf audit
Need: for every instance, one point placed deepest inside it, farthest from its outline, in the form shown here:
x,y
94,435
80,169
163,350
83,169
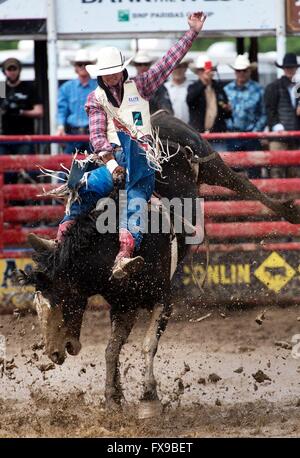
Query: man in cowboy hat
x,y
177,88
119,117
72,96
207,100
246,98
283,110
160,100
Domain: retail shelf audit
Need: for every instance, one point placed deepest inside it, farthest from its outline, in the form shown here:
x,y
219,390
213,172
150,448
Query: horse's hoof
x,y
149,409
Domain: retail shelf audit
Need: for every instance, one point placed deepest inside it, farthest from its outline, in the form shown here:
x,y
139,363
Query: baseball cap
x,y
11,61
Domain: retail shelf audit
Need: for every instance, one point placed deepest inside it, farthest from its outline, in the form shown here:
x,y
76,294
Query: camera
x,y
12,105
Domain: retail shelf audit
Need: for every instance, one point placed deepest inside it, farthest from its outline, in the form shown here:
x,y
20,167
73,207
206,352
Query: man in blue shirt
x,y
72,96
246,98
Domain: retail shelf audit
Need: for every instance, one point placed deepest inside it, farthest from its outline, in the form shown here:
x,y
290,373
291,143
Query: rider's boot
x,y
125,264
41,244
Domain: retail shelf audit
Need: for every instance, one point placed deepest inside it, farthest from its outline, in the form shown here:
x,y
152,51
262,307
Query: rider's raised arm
x,y
148,82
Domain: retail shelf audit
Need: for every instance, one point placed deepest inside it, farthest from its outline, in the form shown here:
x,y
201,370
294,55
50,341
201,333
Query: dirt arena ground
x,y
207,373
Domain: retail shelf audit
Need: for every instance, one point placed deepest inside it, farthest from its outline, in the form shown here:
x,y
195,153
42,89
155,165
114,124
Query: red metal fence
x,y
254,254
12,217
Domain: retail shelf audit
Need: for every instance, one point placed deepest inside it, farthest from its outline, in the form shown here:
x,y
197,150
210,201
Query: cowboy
x,y
160,99
283,111
246,98
72,96
119,121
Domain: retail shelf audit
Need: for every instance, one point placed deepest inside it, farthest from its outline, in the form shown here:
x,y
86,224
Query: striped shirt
x,y
72,96
147,83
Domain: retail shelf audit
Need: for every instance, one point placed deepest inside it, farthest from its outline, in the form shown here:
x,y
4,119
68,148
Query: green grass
x,y
8,45
265,43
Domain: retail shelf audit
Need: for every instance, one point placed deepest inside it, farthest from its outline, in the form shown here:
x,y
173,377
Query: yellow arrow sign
x,y
275,272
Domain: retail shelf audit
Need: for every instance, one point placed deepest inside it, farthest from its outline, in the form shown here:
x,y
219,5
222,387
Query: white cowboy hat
x,y
202,62
242,63
83,55
110,61
142,58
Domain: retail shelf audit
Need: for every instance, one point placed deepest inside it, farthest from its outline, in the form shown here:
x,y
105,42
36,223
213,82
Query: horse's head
x,y
60,327
59,307
64,279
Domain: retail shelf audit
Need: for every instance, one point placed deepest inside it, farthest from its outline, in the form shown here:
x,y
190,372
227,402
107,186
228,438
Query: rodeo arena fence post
x,y
253,256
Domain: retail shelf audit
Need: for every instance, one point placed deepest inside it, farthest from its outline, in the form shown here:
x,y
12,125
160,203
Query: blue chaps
x,y
139,186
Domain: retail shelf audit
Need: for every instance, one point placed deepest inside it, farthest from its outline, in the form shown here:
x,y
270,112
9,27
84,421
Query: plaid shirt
x,y
147,83
248,108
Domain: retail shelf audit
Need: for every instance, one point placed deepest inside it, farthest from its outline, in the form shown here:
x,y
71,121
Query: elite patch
x,y
133,99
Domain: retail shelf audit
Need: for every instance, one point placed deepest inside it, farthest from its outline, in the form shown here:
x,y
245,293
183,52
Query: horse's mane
x,y
82,240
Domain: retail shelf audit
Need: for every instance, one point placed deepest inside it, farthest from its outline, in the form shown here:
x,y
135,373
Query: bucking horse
x,y
80,267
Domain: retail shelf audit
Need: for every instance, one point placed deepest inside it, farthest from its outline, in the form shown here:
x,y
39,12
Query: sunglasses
x,y
81,64
12,68
242,71
143,65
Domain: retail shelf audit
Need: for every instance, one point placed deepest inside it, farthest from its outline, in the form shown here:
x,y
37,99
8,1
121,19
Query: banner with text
x,y
98,16
137,16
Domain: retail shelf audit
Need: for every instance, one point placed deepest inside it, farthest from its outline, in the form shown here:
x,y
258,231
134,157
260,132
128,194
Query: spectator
x,y
19,110
20,107
248,110
207,101
177,89
72,96
161,99
283,111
